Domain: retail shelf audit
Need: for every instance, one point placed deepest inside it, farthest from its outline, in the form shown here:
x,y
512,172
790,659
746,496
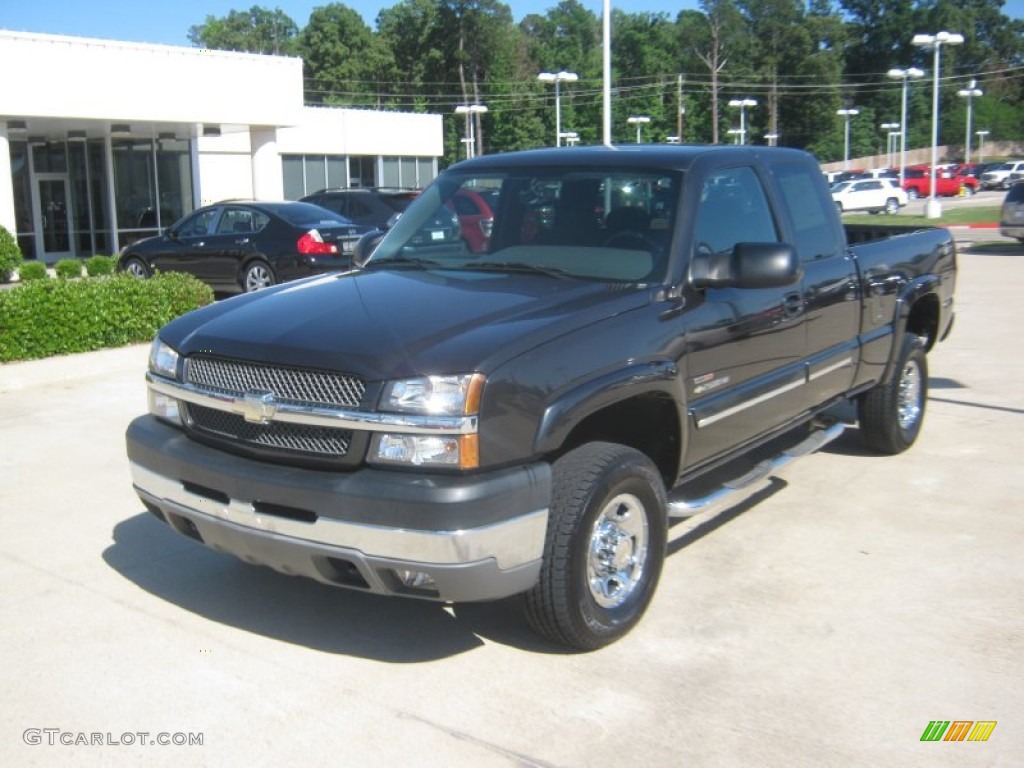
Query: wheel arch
x,y
646,417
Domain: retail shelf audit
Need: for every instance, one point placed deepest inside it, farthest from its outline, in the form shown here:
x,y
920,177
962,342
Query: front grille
x,y
321,442
295,385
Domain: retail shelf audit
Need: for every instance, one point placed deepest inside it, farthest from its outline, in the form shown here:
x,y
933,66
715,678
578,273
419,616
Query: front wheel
x,y
137,268
256,276
605,546
892,412
892,206
968,190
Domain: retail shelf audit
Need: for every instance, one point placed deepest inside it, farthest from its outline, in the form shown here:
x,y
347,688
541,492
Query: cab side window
x,y
816,228
733,209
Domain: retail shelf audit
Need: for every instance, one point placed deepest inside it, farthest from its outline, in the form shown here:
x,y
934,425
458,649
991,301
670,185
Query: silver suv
x,y
999,178
1011,222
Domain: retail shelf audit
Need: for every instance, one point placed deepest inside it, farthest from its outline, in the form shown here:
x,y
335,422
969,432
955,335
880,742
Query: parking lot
x,y
825,623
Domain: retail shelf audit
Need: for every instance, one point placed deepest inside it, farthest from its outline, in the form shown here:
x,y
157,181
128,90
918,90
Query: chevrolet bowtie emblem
x,y
257,407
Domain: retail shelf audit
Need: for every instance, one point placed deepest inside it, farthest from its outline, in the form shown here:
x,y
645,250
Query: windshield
x,y
308,215
562,223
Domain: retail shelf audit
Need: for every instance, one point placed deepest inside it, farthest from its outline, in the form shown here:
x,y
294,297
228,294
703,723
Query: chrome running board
x,y
757,478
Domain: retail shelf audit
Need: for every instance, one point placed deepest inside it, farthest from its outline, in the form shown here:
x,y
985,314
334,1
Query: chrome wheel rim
x,y
136,269
258,277
617,554
910,395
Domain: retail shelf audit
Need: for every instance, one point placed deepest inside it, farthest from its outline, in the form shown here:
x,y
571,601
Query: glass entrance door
x,y
53,232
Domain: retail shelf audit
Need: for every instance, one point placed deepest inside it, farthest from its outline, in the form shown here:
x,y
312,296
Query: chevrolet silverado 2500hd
x,y
454,424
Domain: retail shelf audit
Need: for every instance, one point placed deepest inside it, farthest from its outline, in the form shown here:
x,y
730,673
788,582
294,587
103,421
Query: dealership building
x,y
103,142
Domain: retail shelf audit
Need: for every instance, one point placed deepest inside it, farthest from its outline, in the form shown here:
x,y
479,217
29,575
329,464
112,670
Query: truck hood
x,y
381,324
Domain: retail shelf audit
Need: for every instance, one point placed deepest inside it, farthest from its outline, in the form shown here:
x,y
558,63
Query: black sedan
x,y
244,245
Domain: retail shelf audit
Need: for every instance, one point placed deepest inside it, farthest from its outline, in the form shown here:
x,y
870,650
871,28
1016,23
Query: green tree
x,y
345,62
258,30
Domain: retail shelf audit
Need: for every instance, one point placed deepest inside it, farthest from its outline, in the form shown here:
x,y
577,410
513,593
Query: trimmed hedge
x,y
32,270
98,266
68,269
57,317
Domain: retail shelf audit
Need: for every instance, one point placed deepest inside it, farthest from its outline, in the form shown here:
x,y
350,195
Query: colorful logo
x,y
958,730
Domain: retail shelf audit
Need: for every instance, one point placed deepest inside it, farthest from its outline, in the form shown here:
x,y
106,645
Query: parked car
x,y
999,177
382,207
873,195
371,206
1011,220
246,245
918,183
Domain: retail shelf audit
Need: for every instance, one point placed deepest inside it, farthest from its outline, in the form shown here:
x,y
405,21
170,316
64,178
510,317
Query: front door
x,y
744,346
53,214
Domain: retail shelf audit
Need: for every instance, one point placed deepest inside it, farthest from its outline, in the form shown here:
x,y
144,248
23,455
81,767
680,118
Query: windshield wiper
x,y
402,261
518,266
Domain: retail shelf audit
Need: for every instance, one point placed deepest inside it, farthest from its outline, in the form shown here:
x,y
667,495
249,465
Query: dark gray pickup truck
x,y
460,424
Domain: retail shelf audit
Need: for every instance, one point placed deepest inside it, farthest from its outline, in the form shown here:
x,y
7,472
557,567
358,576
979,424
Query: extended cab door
x,y
744,346
830,286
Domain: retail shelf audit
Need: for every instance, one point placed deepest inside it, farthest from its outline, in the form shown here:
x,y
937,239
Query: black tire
x,y
912,193
892,412
892,206
137,268
257,275
605,546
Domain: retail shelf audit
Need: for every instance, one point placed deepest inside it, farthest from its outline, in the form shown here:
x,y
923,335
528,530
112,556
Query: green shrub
x,y
57,317
32,270
10,255
68,269
97,266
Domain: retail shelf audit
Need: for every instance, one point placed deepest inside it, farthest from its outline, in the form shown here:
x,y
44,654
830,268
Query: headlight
x,y
435,395
163,360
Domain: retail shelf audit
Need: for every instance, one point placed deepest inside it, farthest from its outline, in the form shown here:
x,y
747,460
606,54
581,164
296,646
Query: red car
x,y
918,183
475,219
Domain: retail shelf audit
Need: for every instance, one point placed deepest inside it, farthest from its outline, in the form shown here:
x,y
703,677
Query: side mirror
x,y
748,265
365,247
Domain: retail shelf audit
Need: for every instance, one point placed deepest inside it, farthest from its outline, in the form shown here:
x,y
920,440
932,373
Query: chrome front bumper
x,y
388,533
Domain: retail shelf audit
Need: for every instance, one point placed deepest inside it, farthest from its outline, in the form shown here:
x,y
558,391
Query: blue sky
x,y
168,21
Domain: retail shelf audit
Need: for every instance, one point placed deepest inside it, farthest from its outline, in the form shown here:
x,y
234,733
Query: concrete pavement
x,y
825,624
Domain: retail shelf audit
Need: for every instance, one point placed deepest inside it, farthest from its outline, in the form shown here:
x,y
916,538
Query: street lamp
x,y
969,93
847,114
571,138
905,75
892,130
981,145
932,209
470,111
558,78
735,133
772,139
743,104
638,121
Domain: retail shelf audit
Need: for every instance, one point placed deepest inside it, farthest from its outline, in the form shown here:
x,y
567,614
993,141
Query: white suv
x,y
999,178
874,195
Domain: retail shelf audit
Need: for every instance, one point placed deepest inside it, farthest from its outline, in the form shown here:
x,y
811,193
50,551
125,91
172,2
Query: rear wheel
x,y
257,275
892,412
605,546
912,193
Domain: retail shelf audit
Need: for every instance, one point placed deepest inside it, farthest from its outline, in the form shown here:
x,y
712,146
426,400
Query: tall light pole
x,y
905,75
772,138
470,111
891,131
558,78
981,145
735,133
638,121
743,104
969,93
932,209
847,114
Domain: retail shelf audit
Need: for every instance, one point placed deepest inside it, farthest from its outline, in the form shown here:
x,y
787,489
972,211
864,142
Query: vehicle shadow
x,y
306,613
